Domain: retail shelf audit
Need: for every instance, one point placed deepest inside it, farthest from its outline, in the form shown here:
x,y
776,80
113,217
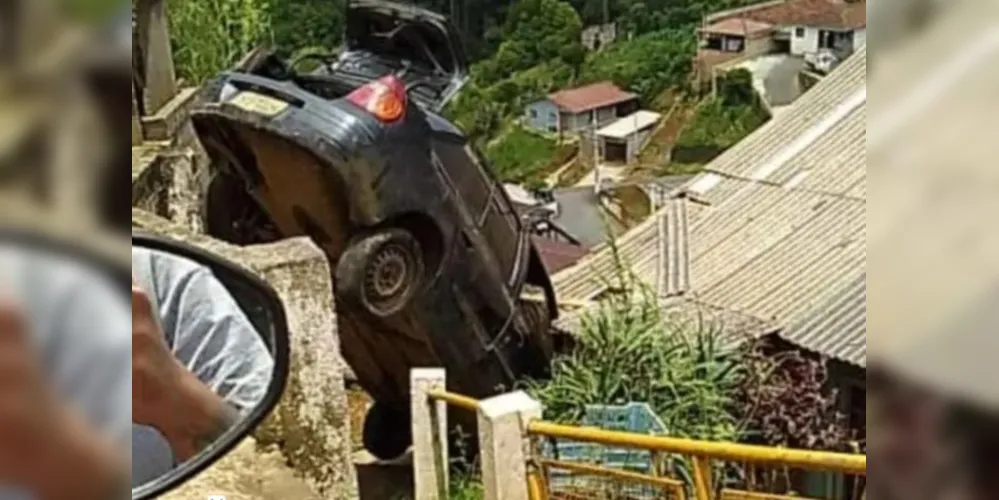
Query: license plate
x,y
258,103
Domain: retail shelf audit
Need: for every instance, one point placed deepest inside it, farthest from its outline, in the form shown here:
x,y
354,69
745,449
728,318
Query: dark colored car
x,y
430,260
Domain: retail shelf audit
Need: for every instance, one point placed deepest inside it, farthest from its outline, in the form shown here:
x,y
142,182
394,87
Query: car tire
x,y
387,432
539,327
381,271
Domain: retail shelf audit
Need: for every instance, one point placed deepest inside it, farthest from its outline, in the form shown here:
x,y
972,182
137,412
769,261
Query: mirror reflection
x,y
202,358
64,374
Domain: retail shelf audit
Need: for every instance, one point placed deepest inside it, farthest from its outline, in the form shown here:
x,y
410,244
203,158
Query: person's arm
x,y
87,329
215,341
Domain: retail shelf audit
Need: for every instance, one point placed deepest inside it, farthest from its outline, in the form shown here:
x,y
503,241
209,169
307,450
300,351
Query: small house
x,y
581,108
621,141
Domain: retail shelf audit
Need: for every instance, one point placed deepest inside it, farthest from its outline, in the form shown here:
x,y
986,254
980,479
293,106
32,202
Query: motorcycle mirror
x,y
244,360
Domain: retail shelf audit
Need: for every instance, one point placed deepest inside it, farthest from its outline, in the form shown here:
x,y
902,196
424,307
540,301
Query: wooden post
x,y
429,421
504,444
158,75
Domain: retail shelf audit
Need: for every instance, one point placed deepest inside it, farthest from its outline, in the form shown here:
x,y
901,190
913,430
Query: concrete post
x,y
158,76
504,445
429,421
136,121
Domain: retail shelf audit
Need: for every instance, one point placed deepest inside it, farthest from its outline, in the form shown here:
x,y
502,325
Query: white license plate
x,y
259,103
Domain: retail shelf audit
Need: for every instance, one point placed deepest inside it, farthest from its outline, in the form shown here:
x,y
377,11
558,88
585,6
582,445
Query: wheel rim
x,y
388,277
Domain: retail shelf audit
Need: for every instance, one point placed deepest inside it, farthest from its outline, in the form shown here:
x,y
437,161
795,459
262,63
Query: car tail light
x,y
385,98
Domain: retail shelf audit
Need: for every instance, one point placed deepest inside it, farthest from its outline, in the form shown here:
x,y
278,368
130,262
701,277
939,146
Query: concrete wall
x,y
577,122
809,39
310,427
542,116
859,38
804,40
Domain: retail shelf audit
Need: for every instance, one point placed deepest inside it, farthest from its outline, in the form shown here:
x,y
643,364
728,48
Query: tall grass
x,y
211,35
627,351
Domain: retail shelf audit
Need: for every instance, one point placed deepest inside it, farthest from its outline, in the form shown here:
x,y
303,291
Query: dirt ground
x,y
252,474
247,474
358,402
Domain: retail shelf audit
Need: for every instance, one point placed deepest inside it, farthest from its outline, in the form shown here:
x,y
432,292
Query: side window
x,y
473,188
498,223
500,229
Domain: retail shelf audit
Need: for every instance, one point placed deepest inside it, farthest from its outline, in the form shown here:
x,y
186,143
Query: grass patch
x,y
522,156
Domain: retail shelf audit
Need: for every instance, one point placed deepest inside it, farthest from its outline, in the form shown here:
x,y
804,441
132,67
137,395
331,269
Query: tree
x,y
648,64
536,32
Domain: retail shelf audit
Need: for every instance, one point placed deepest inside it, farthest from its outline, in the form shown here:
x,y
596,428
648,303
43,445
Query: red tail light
x,y
385,98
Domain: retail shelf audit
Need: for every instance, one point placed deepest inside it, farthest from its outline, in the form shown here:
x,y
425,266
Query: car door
x,y
490,225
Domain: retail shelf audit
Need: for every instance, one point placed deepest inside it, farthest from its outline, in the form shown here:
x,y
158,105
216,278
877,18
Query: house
x,y
581,108
621,141
770,241
800,28
599,36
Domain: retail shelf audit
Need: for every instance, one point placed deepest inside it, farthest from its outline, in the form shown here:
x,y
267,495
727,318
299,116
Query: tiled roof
x,y
597,95
818,13
779,221
739,26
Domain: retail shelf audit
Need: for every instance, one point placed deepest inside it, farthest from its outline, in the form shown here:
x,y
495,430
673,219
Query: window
x,y
733,44
799,32
534,113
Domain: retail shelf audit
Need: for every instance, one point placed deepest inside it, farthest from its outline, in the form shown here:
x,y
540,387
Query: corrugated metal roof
x,y
838,326
630,124
782,222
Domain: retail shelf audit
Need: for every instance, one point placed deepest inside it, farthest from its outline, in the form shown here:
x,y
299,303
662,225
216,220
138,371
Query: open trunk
x,y
421,47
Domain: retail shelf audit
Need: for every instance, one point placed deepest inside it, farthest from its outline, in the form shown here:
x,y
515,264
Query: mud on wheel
x,y
381,271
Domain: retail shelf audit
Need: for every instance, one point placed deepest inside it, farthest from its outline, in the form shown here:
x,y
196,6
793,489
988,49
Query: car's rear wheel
x,y
387,432
381,271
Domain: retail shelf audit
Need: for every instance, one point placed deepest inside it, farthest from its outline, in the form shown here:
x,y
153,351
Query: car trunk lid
x,y
421,47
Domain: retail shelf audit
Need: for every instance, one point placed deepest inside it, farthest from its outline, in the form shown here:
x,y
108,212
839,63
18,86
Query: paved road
x,y
933,214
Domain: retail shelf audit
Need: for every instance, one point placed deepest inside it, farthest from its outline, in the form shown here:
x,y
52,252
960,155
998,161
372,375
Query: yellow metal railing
x,y
701,453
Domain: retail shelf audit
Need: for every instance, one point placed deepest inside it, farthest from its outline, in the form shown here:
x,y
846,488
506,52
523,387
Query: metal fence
x,y
523,457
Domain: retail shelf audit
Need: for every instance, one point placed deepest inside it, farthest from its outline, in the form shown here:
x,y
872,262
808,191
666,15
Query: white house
x,y
808,40
802,28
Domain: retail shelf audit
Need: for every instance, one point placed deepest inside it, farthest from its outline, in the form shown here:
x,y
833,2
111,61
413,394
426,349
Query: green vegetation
x,y
522,156
721,122
211,35
525,49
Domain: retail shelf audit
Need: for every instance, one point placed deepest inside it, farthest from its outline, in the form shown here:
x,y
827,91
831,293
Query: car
x,y
432,266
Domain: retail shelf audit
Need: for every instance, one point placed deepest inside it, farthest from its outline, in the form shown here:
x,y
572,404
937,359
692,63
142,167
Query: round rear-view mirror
x,y
228,329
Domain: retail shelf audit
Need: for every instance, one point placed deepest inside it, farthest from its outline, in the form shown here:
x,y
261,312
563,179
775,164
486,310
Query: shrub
x,y
211,35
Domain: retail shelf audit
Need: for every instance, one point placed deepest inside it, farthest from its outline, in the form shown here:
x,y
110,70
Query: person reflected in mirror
x,y
198,362
64,379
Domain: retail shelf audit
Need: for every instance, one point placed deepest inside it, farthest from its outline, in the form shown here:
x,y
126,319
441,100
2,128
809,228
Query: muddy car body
x,y
430,259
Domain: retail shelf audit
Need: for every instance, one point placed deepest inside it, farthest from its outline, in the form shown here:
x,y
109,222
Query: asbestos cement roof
x,y
777,225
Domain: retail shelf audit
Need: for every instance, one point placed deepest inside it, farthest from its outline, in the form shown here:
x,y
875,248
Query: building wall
x,y
805,40
634,143
606,115
576,122
859,38
542,116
